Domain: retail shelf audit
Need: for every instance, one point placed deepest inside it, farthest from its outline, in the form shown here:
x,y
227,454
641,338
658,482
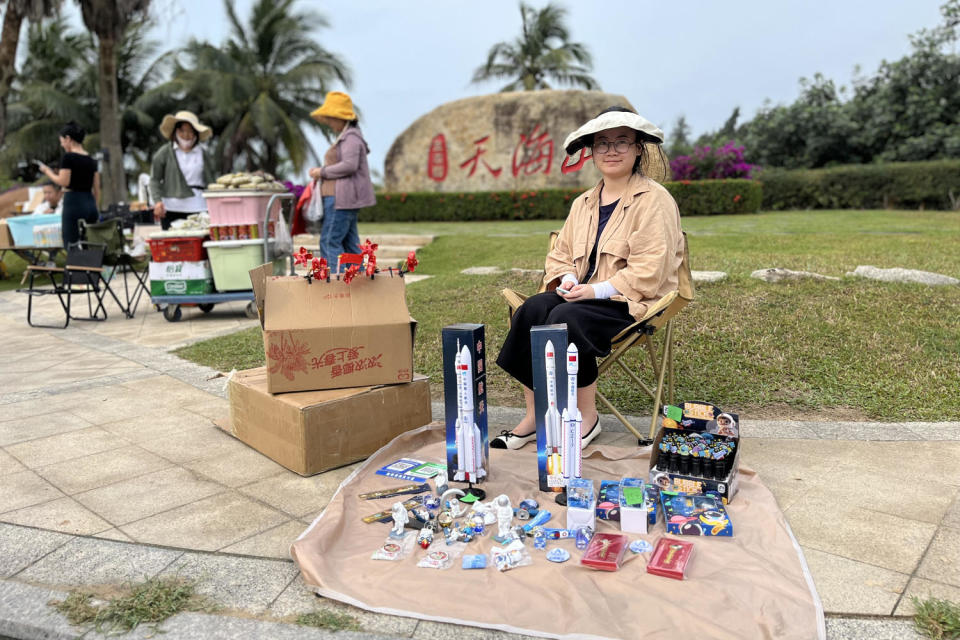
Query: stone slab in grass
x,y
708,276
897,274
777,274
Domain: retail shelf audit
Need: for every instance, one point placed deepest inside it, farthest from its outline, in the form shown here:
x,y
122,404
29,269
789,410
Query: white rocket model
x,y
572,455
469,456
552,417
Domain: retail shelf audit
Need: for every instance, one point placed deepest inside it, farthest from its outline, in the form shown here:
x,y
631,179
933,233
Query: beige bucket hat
x,y
583,136
171,120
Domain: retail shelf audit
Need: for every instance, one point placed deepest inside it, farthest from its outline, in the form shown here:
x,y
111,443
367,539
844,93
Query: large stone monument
x,y
500,142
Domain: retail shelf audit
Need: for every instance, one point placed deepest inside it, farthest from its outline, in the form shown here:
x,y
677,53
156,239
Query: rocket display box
x,y
608,502
549,476
700,419
453,340
332,335
312,431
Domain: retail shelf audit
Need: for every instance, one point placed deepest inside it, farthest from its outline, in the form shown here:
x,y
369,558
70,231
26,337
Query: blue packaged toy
x,y
695,515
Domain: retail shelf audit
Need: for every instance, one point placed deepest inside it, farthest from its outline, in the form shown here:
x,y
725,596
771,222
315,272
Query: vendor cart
x,y
171,304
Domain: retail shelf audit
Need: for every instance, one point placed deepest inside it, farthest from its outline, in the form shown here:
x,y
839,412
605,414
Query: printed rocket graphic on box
x,y
465,402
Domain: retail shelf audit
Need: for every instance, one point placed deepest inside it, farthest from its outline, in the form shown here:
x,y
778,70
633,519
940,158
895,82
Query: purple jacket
x,y
354,190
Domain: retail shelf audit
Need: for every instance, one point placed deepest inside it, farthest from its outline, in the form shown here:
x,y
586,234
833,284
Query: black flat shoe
x,y
588,437
508,440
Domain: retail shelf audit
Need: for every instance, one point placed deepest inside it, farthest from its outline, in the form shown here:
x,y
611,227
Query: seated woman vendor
x,y
618,252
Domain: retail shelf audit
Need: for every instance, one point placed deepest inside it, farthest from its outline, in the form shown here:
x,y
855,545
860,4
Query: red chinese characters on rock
x,y
474,160
437,158
566,167
533,154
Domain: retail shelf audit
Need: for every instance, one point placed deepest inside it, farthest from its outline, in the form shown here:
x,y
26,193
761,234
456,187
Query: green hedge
x,y
700,197
895,185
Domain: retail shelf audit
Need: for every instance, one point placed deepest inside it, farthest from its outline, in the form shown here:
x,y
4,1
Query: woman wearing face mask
x,y
181,169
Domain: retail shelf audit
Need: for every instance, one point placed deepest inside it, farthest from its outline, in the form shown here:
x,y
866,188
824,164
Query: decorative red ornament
x,y
368,248
302,257
319,269
412,261
371,265
350,273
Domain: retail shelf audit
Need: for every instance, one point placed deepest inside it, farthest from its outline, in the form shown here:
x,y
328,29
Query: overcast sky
x,y
699,58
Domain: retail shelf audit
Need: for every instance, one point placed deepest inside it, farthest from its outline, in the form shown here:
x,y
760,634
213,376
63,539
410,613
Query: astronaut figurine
x,y
504,512
400,520
441,481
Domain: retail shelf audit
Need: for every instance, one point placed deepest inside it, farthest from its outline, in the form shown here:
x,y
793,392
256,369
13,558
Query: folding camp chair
x,y
82,274
659,318
110,235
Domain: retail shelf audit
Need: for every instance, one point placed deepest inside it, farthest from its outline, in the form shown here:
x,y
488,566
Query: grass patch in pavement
x,y
853,348
150,603
329,620
937,619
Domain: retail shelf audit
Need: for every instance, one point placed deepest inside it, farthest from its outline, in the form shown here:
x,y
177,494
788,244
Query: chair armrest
x,y
89,269
36,267
513,298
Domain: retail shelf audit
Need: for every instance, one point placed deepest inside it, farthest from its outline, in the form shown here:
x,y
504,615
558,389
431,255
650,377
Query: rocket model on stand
x,y
572,455
469,453
552,416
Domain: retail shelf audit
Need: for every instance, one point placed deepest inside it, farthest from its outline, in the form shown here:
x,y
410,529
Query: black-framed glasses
x,y
620,146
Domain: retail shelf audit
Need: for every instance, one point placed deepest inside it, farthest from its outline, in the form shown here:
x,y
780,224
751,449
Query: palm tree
x,y
258,89
16,11
543,50
108,19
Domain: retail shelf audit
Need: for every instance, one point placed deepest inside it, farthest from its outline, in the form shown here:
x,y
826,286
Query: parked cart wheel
x,y
172,313
251,310
206,307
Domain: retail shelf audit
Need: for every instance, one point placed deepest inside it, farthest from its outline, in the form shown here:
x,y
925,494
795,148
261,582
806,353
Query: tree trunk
x,y
9,39
114,179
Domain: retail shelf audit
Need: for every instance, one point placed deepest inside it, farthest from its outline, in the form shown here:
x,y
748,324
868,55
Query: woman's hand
x,y
564,288
315,173
159,211
578,292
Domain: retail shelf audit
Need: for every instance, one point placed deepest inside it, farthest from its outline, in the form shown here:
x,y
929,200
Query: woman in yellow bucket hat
x,y
345,184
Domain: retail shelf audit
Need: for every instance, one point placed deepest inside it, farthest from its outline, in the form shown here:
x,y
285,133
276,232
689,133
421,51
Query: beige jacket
x,y
640,249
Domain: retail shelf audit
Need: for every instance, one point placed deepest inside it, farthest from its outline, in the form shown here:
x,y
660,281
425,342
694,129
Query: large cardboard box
x,y
6,238
332,335
312,431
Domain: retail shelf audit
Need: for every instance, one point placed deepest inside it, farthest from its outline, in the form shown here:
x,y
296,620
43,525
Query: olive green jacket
x,y
166,179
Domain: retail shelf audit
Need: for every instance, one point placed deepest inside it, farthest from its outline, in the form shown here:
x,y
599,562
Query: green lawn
x,y
849,349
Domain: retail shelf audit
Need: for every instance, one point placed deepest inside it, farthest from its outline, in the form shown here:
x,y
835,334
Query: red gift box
x,y
670,558
605,551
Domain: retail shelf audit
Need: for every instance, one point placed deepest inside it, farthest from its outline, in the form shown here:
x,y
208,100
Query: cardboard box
x,y
549,463
313,431
454,338
6,238
332,335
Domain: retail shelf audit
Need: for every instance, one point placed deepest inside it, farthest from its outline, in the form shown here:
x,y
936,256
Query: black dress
x,y
78,202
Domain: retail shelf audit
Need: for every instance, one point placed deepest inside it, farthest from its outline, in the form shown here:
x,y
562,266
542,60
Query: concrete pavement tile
x,y
942,562
22,546
43,405
848,586
9,464
874,629
209,524
24,429
935,430
63,515
272,543
780,429
101,469
297,599
862,431
113,534
194,444
246,584
936,459
66,446
156,423
169,388
822,522
213,408
137,498
237,468
112,403
925,589
24,489
295,494
90,561
428,630
950,519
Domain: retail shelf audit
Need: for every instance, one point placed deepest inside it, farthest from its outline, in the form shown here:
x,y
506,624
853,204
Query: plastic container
x,y
183,248
48,235
240,208
21,227
231,262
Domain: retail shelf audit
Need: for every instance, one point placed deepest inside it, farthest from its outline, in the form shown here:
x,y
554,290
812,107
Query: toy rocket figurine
x,y
552,417
572,456
469,456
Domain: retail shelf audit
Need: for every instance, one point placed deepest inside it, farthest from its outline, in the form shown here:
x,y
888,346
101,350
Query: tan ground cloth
x,y
754,585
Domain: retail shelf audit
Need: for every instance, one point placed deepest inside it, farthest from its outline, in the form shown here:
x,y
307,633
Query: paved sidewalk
x,y
111,470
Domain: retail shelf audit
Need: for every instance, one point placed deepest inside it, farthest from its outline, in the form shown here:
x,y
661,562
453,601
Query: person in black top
x,y
78,174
